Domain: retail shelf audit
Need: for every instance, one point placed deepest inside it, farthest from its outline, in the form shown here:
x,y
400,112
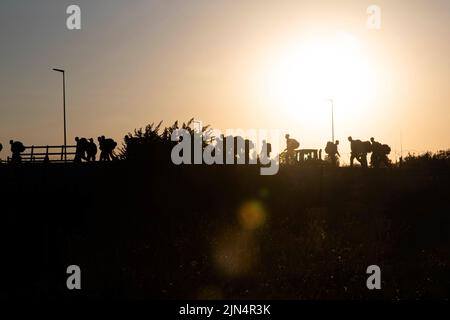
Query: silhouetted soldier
x,y
332,151
103,151
385,150
80,151
379,154
91,150
291,145
17,148
359,151
110,145
376,149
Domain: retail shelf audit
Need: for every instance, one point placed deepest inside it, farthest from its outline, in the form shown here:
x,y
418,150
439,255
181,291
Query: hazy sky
x,y
135,62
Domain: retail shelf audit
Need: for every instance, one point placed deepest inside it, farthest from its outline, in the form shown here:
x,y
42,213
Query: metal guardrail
x,y
47,153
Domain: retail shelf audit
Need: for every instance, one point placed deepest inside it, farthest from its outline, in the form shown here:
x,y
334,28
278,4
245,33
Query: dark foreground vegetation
x,y
165,232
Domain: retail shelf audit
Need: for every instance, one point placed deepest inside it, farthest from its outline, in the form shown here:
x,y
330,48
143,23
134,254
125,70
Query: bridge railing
x,y
47,153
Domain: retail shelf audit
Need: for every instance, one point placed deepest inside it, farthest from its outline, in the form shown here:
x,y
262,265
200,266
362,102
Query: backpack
x,y
18,147
386,149
110,144
330,148
367,146
83,142
293,144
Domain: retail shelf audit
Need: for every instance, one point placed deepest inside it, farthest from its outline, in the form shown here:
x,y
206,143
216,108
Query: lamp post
x,y
64,110
332,119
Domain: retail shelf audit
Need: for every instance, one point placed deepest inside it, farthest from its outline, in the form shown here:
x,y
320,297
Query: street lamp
x,y
64,110
332,119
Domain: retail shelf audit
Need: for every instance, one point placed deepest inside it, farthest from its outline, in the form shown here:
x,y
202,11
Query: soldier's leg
x,y
364,160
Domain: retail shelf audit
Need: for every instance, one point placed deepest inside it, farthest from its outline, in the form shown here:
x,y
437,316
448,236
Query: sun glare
x,y
312,71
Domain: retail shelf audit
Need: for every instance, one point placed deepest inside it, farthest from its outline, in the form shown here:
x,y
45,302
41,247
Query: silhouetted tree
x,y
428,159
149,143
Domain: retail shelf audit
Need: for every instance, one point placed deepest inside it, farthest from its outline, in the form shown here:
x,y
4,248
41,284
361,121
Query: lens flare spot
x,y
252,215
235,253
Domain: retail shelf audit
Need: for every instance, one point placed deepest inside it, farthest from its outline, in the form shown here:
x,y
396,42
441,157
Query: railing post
x,y
31,153
46,159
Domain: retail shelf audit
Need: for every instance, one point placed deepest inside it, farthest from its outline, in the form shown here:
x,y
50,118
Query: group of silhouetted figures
x,y
86,150
17,148
359,151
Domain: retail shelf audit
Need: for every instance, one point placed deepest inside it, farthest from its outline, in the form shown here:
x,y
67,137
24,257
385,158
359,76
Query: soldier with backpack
x,y
379,154
291,145
110,145
17,148
359,151
91,150
107,147
332,151
101,145
80,152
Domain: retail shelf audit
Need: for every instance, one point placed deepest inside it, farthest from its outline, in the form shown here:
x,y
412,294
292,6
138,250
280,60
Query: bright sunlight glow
x,y
317,69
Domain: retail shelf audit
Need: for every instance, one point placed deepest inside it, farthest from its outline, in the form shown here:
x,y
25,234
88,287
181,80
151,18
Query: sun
x,y
310,72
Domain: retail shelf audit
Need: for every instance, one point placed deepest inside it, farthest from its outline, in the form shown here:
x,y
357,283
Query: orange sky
x,y
145,61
